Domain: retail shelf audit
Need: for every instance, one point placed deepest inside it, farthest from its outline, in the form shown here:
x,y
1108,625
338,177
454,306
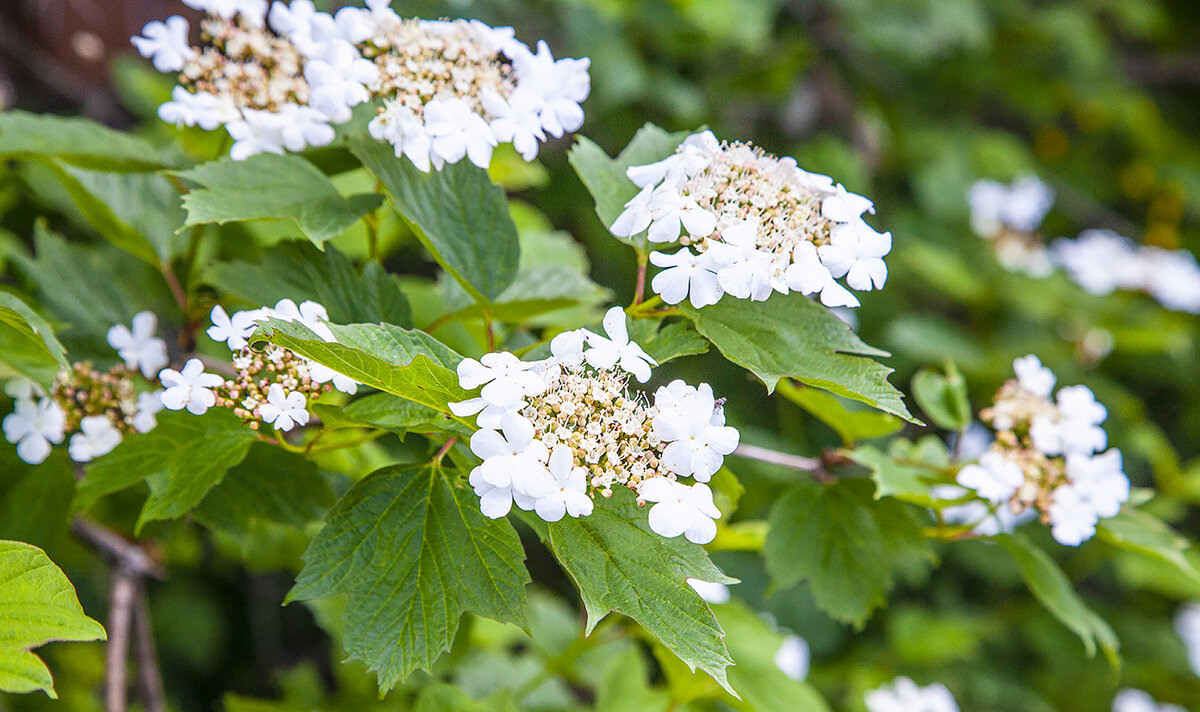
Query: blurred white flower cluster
x,y
271,386
751,224
280,78
557,431
1131,700
1048,459
904,695
1187,625
99,408
1009,216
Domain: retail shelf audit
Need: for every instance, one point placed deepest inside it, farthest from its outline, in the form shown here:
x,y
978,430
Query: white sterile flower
x,y
320,373
139,348
339,80
807,275
33,427
97,436
283,409
307,28
516,120
513,468
165,44
357,24
233,330
1033,376
1101,261
567,347
714,593
984,520
256,132
672,211
903,695
189,388
686,276
1173,278
793,657
399,126
681,509
22,388
569,495
617,349
491,416
637,216
148,406
1100,479
457,131
743,271
1131,700
1077,430
506,379
845,207
696,446
563,84
251,10
1072,516
495,39
996,478
1020,206
1187,625
304,126
856,251
208,111
692,156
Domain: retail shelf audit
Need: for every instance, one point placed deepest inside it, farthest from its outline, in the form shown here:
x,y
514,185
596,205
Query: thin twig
x,y
120,616
640,289
491,335
445,448
119,552
175,286
149,678
762,454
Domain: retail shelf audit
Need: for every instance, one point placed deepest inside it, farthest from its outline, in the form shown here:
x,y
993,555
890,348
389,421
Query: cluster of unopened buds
x,y
281,78
751,224
1048,460
271,386
557,432
95,408
1100,261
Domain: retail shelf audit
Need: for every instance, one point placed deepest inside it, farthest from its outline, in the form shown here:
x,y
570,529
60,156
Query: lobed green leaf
x,y
77,141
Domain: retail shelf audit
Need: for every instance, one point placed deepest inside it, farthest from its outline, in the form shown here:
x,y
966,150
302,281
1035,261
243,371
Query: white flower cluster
x,y
751,224
281,79
904,695
1102,262
272,386
552,430
1009,216
1187,626
98,408
455,89
1131,700
1048,457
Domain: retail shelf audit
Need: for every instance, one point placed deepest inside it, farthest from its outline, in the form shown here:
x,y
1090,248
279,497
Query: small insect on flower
x,y
751,224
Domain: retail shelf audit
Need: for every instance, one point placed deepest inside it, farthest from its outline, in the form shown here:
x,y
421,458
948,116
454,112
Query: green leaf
x,y
605,177
762,685
100,216
390,412
665,342
297,270
620,565
907,470
850,425
271,485
30,347
1051,587
846,544
412,550
458,214
181,460
793,336
625,687
37,606
76,141
35,500
404,362
272,186
943,398
1143,533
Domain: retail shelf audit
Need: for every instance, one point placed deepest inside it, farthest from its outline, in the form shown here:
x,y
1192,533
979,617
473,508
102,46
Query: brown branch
x,y
149,678
119,552
640,289
120,615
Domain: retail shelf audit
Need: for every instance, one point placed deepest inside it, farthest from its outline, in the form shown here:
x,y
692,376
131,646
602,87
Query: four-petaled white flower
x,y
743,271
694,429
456,131
513,468
617,348
399,126
189,388
569,495
567,347
672,211
1033,376
320,373
283,409
856,251
808,275
165,44
1072,516
517,120
97,436
686,276
996,478
636,216
139,348
148,406
233,330
506,380
681,509
35,426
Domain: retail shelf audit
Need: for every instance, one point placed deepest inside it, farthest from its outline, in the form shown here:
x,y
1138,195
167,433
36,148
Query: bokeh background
x,y
905,101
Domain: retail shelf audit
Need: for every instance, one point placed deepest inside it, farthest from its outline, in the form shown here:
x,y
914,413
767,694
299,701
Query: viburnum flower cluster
x,y
271,386
96,409
1101,261
751,224
1009,216
556,432
1048,458
904,695
281,78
